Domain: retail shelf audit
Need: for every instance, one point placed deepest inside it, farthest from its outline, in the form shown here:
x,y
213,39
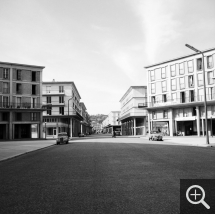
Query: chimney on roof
x,y
53,80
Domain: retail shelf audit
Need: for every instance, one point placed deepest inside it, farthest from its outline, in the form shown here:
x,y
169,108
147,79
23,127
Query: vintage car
x,y
155,135
62,138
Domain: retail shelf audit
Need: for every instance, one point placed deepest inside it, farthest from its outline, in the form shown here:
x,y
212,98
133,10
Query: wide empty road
x,y
102,175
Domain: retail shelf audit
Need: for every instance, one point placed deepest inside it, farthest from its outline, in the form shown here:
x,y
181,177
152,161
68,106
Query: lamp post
x,y
68,115
205,98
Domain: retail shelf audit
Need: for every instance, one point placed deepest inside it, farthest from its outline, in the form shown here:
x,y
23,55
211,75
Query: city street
x,y
100,174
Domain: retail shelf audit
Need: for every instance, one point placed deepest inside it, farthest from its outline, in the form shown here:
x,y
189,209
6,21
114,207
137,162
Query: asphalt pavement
x,y
100,174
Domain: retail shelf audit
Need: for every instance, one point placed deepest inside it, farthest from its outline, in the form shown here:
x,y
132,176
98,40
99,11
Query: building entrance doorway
x,y
22,131
188,128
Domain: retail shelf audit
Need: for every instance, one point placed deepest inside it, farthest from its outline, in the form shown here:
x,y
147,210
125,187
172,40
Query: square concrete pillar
x,y
134,126
171,122
198,120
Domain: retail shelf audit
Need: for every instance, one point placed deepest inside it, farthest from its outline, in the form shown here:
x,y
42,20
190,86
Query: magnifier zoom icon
x,y
195,194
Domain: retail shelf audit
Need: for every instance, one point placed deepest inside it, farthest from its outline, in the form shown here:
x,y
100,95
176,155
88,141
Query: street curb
x,y
9,158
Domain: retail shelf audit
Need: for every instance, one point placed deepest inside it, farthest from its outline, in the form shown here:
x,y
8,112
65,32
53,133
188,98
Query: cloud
x,y
158,24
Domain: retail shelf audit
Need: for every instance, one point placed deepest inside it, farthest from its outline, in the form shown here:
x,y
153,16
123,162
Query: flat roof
x,y
12,63
63,82
182,57
142,86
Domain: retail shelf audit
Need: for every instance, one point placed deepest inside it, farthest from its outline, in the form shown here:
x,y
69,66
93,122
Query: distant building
x,y
20,101
112,123
63,108
85,123
133,111
176,94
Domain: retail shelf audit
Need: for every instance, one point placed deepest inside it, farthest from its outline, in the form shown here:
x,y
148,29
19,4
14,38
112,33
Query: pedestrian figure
x,y
114,134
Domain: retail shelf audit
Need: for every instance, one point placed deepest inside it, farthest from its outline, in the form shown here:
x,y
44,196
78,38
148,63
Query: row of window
x,y
49,99
6,89
49,110
161,72
190,82
185,96
6,72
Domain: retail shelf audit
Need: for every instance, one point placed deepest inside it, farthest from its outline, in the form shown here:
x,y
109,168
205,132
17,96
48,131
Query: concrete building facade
x,y
63,112
112,123
133,114
176,95
20,101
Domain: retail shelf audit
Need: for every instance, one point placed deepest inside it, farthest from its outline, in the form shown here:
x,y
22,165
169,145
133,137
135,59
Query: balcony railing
x,y
50,92
168,102
5,90
25,105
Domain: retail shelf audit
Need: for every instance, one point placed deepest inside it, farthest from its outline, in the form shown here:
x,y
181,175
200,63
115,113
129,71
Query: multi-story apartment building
x,y
84,123
63,108
133,114
112,123
176,94
20,101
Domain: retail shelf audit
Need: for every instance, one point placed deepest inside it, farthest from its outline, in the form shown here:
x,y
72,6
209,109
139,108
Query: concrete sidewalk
x,y
189,140
9,149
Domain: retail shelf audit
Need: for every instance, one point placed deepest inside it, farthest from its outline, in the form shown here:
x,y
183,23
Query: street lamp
x,y
205,99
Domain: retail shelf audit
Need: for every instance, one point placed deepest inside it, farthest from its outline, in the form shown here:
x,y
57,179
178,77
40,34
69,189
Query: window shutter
x,y
14,74
1,73
38,76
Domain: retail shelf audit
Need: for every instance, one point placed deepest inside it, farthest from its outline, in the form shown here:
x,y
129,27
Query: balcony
x,y
6,91
53,92
181,101
26,105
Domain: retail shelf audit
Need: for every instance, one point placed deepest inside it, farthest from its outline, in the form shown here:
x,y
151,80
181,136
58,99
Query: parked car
x,y
81,135
62,138
155,135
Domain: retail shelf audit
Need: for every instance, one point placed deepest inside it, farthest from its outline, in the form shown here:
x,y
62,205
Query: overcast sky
x,y
102,45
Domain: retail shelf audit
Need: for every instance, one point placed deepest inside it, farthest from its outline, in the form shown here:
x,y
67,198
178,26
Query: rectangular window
x,y
163,73
33,116
173,84
210,77
19,116
190,66
172,69
6,73
61,90
192,97
49,110
5,102
18,74
152,75
33,76
199,64
182,94
18,88
181,68
5,116
61,99
182,83
153,99
48,89
18,102
191,81
209,62
33,102
152,88
185,112
61,110
164,88
174,97
200,79
48,99
34,89
165,115
5,88
164,98
153,115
